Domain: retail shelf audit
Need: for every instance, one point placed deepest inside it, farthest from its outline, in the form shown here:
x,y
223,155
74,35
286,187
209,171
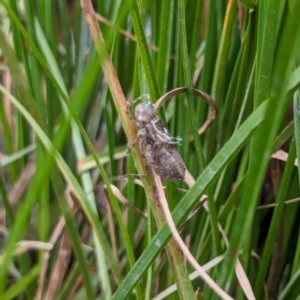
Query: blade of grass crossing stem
x,y
264,137
209,174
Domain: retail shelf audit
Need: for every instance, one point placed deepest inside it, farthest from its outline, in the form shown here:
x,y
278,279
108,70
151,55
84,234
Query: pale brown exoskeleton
x,y
156,145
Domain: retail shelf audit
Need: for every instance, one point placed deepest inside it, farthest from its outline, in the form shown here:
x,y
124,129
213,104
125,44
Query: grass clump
x,y
71,226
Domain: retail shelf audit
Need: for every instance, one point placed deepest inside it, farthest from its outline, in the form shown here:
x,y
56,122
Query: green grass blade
x,y
266,40
276,220
21,285
144,49
297,127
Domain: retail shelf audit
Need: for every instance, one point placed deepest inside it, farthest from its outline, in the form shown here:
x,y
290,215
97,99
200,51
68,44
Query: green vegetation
x,y
72,226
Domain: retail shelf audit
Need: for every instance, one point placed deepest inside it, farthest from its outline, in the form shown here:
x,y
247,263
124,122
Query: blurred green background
x,y
63,234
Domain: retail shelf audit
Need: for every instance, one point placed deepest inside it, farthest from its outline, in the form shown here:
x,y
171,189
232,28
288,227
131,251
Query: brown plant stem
x,y
185,288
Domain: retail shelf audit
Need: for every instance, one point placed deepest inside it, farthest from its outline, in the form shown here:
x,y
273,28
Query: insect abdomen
x,y
169,164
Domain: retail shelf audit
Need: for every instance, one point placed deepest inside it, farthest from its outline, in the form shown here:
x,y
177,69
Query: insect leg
x,y
138,137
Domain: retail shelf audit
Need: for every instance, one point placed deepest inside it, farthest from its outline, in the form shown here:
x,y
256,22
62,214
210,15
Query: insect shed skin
x,y
156,145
